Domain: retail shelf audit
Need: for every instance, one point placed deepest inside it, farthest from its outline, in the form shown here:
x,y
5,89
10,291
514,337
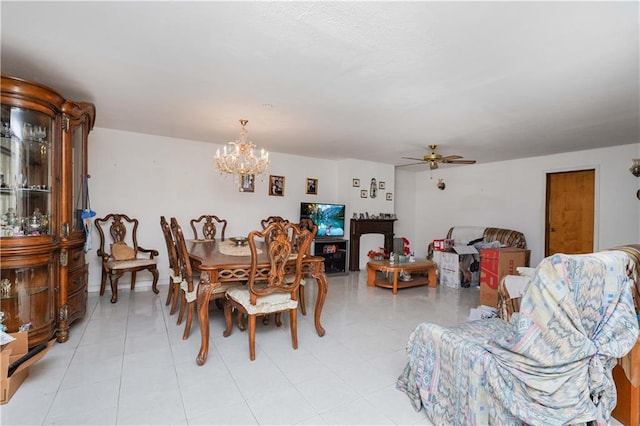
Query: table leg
x,y
321,279
395,281
371,276
433,281
204,290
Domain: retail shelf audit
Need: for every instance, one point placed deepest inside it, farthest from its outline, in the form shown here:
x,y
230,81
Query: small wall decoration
x,y
363,193
247,183
389,196
382,185
312,186
373,192
356,182
276,185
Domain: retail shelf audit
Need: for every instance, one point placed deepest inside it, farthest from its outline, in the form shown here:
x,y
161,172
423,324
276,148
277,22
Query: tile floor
x,y
126,364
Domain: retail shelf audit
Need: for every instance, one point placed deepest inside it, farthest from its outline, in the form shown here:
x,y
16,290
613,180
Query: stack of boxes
x,y
464,266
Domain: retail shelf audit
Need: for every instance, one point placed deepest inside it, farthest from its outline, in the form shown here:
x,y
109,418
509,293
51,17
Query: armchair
x,y
551,364
123,254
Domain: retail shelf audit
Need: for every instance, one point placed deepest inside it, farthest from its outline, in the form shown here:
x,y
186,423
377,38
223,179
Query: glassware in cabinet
x,y
25,172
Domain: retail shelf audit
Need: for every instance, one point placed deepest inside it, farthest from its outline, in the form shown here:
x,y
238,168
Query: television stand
x,y
334,251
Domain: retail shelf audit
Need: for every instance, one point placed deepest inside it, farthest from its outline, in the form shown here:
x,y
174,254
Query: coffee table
x,y
394,283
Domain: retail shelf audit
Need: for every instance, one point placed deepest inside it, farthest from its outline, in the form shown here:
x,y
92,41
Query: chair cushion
x,y
128,264
121,251
266,304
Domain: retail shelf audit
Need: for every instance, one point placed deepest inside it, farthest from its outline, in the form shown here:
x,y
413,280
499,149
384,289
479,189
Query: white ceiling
x,y
367,80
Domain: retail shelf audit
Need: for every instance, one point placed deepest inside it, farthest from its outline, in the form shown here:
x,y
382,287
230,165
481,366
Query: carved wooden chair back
x,y
208,225
272,219
175,277
128,258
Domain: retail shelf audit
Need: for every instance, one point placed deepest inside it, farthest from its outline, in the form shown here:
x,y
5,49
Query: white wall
x,y
511,194
148,176
350,195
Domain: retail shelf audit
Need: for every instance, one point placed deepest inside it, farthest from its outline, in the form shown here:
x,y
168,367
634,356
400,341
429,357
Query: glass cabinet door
x,y
25,172
26,301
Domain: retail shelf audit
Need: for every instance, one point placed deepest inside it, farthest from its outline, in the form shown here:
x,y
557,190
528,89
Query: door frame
x,y
596,201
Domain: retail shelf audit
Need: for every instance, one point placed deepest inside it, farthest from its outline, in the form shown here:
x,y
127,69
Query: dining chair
x,y
309,225
189,284
175,277
208,224
123,254
267,291
272,219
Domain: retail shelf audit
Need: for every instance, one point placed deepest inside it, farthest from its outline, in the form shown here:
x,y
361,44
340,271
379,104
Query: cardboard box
x,y
494,265
454,266
12,352
442,245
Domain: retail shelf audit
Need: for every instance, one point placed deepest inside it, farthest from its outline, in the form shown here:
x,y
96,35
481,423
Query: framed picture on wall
x,y
382,185
356,182
389,196
363,193
247,183
276,185
312,186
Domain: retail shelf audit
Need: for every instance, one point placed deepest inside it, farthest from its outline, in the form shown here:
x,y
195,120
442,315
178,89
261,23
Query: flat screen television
x,y
328,217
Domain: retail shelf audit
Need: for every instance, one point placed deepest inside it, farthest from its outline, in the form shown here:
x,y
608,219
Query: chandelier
x,y
238,158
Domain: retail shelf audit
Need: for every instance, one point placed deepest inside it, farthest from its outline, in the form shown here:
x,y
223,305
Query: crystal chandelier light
x,y
239,158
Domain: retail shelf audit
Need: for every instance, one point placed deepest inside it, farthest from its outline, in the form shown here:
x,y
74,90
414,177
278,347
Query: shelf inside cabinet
x,y
27,292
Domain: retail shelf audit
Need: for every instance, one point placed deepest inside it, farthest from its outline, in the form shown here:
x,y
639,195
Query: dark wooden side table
x,y
420,265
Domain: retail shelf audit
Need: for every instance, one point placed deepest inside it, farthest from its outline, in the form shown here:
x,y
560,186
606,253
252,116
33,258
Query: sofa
x,y
551,364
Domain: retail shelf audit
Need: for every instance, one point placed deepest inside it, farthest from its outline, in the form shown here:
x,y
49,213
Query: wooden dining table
x,y
216,267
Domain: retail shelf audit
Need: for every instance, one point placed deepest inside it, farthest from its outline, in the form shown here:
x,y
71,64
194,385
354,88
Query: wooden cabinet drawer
x,y
77,280
76,259
77,305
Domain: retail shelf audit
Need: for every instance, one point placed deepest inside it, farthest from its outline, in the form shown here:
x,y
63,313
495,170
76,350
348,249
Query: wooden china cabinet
x,y
43,175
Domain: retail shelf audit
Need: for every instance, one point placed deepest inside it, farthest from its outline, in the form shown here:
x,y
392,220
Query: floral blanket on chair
x,y
550,365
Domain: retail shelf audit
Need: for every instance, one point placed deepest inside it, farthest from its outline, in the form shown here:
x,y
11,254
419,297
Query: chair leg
x,y
114,286
187,326
252,337
169,292
303,306
240,320
176,298
155,274
226,305
133,280
183,304
278,320
293,320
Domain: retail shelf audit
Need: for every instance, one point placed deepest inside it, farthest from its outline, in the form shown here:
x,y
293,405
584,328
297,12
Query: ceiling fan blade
x,y
410,164
451,157
412,158
460,161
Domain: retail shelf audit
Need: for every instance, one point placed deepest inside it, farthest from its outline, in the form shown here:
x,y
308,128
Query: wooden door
x,y
570,212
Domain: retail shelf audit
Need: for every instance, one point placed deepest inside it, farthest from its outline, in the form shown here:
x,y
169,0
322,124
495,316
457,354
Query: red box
x,y
442,245
494,265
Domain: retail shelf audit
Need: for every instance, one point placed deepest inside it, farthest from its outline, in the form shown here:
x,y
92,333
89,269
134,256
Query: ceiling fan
x,y
433,159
